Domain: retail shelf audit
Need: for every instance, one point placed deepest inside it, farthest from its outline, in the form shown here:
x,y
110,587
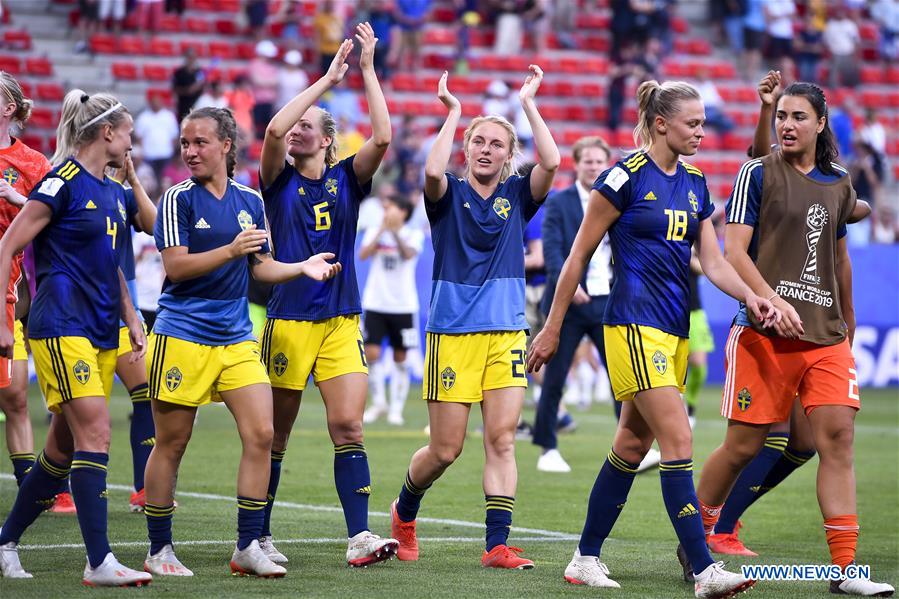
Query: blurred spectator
x,y
349,138
843,129
496,100
715,117
809,48
873,133
241,102
410,16
631,21
149,275
175,171
731,13
407,143
382,20
148,178
149,12
754,26
635,64
884,227
257,15
842,39
214,96
371,210
779,18
264,75
343,104
292,79
660,23
157,132
291,16
328,26
175,6
467,16
886,13
564,22
867,170
188,81
536,24
114,10
87,23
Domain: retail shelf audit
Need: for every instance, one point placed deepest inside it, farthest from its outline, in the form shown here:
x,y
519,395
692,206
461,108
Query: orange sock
x,y
842,538
710,514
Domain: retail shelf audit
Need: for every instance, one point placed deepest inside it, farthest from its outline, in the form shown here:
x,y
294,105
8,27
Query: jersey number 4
x,y
111,229
677,224
322,217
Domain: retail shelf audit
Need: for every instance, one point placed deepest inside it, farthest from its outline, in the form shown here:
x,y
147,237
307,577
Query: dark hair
x,y
226,128
826,149
403,203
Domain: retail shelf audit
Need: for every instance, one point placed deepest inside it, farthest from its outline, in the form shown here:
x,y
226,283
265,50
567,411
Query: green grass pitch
x,y
784,527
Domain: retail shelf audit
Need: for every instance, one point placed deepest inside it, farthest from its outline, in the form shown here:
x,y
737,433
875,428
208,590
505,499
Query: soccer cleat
x,y
862,587
588,570
404,533
137,502
165,563
251,561
10,566
367,548
729,543
685,563
63,504
270,551
113,574
373,413
552,461
716,583
395,419
650,460
503,556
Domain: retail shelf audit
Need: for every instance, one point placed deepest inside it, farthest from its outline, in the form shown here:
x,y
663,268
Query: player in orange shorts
x,y
808,277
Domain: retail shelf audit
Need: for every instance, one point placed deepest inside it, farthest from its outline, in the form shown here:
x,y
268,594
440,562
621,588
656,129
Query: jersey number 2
x,y
322,217
677,224
111,230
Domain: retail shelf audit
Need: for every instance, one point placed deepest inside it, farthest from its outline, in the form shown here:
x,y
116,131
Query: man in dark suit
x,y
562,218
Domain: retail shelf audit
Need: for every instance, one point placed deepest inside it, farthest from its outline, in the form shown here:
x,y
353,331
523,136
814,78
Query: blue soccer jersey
x,y
745,205
211,309
77,257
478,280
308,217
651,241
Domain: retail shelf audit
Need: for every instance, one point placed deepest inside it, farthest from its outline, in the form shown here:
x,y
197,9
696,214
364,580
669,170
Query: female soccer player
x,y
312,206
209,230
809,278
476,329
21,168
75,219
654,207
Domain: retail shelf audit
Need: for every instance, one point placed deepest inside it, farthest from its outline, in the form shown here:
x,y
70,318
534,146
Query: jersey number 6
x,y
322,217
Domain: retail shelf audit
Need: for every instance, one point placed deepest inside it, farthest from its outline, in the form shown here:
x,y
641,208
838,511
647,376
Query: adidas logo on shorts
x,y
202,224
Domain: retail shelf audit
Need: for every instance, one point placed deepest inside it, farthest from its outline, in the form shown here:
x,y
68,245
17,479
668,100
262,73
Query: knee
x,y
741,453
171,446
631,448
445,455
17,405
501,446
837,441
345,431
259,438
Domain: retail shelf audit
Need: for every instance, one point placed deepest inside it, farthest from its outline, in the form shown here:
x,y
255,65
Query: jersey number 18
x,y
677,224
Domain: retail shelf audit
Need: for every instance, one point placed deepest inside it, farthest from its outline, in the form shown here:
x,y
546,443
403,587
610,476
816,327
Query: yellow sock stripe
x,y
776,443
499,502
252,505
796,459
140,393
159,511
413,488
22,456
349,447
278,456
88,464
53,470
687,466
616,461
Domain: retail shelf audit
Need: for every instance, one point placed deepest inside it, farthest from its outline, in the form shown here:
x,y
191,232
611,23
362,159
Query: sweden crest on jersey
x,y
744,398
122,212
245,220
11,175
502,207
331,186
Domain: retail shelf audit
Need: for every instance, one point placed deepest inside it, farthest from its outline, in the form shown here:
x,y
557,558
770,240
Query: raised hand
x,y
248,241
339,66
531,83
365,35
444,95
769,87
318,268
126,172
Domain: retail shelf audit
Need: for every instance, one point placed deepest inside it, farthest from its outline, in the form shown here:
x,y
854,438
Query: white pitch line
x,y
317,541
333,509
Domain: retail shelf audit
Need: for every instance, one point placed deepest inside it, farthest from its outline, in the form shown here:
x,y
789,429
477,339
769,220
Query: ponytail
x,y
83,117
655,99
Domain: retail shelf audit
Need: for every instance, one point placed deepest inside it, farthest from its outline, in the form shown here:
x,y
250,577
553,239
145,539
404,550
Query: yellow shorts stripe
x,y
59,369
266,346
156,366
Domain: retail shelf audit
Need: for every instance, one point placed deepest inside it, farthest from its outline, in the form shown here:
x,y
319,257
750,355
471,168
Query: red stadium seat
x,y
132,44
124,70
197,25
170,23
39,66
157,72
52,92
246,51
442,14
198,47
226,27
102,43
35,142
17,39
161,47
11,64
254,152
161,92
440,37
872,74
42,118
26,88
223,50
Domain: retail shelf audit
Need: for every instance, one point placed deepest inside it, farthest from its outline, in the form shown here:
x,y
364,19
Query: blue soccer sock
x,y
21,464
273,480
159,525
683,511
607,499
498,519
143,433
88,481
35,495
409,501
749,485
250,514
353,482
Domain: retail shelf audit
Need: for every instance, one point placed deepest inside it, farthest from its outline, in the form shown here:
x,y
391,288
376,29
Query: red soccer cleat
x,y
729,543
63,504
503,556
137,502
404,532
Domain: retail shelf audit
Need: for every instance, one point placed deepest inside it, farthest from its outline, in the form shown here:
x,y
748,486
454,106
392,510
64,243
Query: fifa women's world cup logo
x,y
815,221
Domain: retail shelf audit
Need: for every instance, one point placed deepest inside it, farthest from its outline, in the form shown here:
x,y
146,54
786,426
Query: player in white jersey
x,y
390,305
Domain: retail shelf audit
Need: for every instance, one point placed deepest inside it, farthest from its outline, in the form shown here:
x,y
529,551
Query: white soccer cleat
x,y
588,570
270,551
862,587
395,419
650,460
252,561
165,563
373,413
10,566
367,548
552,461
715,582
113,574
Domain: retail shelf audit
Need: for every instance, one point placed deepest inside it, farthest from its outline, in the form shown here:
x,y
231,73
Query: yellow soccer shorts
x,y
640,358
190,374
125,340
20,352
72,367
294,349
459,368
